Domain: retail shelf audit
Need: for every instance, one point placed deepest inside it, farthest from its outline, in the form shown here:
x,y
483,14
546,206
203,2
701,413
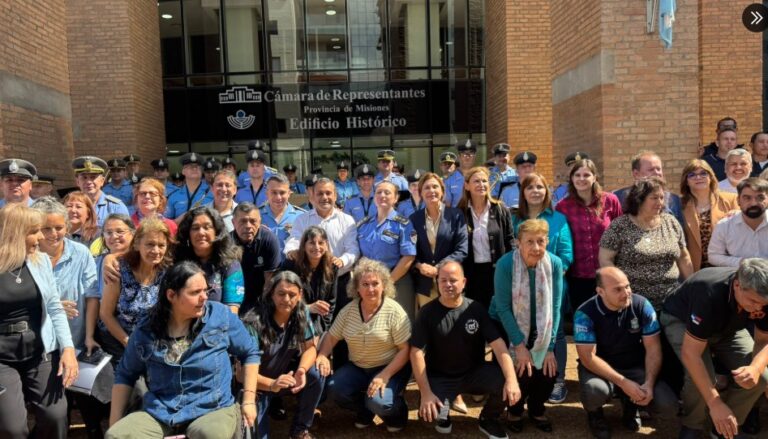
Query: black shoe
x,y
514,423
598,425
752,423
689,433
630,417
276,409
363,420
493,429
542,423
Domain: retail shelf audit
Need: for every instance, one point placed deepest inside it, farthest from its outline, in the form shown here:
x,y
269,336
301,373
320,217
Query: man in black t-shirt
x,y
448,356
707,317
617,339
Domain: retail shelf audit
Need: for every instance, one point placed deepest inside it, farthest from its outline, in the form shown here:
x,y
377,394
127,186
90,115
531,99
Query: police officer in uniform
x,y
297,187
17,176
454,183
42,185
210,168
389,238
345,187
447,163
278,214
177,180
194,193
132,164
386,159
562,191
119,186
309,183
160,167
406,208
526,165
90,175
243,179
361,206
229,165
255,192
501,172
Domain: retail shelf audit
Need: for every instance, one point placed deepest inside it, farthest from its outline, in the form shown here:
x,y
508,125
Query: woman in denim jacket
x,y
33,330
183,348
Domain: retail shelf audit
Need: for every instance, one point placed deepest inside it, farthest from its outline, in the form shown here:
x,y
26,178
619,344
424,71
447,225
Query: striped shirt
x,y
372,344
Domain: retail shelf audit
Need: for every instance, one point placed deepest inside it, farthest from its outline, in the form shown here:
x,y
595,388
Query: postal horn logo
x,y
241,120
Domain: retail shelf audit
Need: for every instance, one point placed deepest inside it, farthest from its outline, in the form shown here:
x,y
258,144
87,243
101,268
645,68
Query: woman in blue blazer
x,y
440,233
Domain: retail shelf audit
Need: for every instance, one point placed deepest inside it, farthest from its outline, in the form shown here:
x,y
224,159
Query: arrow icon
x,y
757,18
753,17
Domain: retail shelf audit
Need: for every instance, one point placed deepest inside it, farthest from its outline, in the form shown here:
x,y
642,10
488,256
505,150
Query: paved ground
x,y
569,420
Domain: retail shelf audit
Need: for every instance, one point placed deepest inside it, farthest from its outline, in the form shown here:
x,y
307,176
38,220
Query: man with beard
x,y
745,234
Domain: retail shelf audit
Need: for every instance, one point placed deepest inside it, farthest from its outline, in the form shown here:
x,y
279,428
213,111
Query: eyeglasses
x,y
117,233
467,154
693,175
151,194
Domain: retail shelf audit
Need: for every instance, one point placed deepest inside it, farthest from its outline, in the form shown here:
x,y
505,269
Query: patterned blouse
x,y
705,231
647,257
135,299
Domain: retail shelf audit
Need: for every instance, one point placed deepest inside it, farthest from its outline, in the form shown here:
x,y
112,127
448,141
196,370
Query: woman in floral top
x,y
589,211
125,302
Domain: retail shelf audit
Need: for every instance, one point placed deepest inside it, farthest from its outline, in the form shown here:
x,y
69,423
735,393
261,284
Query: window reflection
x,y
202,24
285,30
408,33
326,34
171,38
448,32
367,30
245,45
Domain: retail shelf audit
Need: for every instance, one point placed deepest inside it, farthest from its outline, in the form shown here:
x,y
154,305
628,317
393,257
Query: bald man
x,y
618,341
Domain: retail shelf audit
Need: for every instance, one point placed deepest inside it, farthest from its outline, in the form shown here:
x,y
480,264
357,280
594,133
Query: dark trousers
x,y
91,410
340,351
33,383
534,390
479,282
486,379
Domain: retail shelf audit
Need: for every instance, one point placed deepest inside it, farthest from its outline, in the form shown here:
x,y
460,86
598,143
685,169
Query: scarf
x,y
521,303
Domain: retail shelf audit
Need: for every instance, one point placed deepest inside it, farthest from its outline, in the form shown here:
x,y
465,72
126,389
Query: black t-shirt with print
x,y
706,304
453,339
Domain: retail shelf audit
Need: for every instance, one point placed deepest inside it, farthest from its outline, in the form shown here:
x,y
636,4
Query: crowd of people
x,y
217,299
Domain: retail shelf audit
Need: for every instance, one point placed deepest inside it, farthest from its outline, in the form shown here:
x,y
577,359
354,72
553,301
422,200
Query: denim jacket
x,y
55,329
201,382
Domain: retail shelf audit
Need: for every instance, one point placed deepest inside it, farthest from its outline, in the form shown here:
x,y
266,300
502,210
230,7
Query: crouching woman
x,y
183,348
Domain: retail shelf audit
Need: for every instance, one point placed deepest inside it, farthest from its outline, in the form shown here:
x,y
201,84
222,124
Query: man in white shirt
x,y
340,227
745,234
738,166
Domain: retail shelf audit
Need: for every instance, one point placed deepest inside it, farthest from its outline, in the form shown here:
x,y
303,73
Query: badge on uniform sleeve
x,y
414,236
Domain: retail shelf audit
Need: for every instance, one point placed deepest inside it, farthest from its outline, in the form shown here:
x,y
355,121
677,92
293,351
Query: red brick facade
x,y
614,89
76,80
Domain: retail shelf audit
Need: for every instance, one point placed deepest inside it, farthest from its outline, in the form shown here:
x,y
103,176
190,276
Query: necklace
x,y
17,275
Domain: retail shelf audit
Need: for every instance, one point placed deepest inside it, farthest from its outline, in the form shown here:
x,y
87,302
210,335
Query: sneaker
x,y
302,435
559,393
493,429
444,426
363,420
598,425
395,428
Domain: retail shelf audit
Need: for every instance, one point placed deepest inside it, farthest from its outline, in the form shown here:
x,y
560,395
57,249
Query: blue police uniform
x,y
170,188
397,179
281,229
559,193
454,185
30,201
387,242
124,192
345,190
498,178
249,195
298,188
407,207
106,205
181,200
510,196
243,179
359,208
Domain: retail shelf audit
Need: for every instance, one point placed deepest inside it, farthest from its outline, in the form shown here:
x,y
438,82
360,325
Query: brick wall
x,y
519,106
116,85
34,86
731,66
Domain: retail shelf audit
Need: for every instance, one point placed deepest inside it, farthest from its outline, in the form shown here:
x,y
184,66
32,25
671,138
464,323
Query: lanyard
x,y
256,195
366,208
192,197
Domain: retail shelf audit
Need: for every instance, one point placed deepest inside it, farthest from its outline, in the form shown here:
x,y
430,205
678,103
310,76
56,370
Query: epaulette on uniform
x,y
401,219
113,199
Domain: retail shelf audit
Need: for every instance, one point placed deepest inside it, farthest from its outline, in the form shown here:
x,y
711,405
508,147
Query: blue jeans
x,y
308,399
348,385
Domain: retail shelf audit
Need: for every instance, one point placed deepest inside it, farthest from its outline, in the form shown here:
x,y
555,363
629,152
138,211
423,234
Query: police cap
x,y
18,167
